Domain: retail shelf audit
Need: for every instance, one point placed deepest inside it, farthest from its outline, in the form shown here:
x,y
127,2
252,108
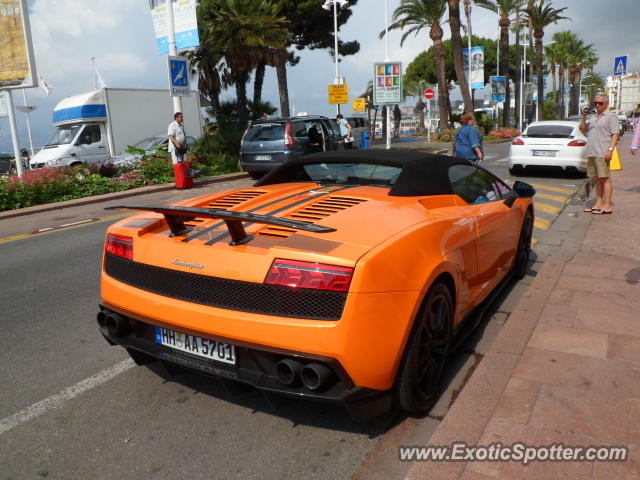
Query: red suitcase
x,y
180,174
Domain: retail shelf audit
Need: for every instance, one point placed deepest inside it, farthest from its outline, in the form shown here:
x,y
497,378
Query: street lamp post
x,y
327,6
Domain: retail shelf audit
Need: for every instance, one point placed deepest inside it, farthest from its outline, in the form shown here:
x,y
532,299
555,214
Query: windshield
x,y
265,132
64,135
353,174
149,143
549,131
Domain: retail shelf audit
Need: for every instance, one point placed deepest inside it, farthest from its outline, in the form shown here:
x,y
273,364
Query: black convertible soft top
x,y
421,174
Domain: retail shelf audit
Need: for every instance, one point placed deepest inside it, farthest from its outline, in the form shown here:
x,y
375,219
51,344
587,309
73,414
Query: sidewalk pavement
x,y
566,366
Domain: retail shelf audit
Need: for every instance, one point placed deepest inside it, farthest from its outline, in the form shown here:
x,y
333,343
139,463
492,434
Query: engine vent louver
x,y
312,213
233,199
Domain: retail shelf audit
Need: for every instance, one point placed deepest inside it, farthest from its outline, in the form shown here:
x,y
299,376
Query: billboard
x,y
387,83
184,20
17,65
477,66
498,88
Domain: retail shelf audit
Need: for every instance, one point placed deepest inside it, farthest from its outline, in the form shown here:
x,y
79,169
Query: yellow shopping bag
x,y
615,163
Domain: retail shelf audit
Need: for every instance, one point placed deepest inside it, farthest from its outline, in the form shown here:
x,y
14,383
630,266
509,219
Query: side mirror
x,y
520,190
524,190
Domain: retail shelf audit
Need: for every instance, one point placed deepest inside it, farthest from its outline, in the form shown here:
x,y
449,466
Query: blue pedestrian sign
x,y
620,65
178,76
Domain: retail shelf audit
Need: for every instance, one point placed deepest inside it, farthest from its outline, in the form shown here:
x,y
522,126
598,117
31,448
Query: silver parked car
x,y
148,144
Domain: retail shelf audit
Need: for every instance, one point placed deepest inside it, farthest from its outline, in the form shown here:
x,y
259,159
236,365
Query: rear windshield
x,y
549,131
353,174
265,132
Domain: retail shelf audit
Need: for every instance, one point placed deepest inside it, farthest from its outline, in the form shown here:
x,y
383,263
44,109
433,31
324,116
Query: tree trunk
x,y
553,79
504,68
456,48
517,96
397,118
561,89
420,108
443,93
281,70
574,99
241,95
540,77
257,84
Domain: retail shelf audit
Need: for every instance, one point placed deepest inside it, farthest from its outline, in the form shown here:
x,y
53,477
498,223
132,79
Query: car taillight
x,y
288,137
296,274
576,143
119,245
518,141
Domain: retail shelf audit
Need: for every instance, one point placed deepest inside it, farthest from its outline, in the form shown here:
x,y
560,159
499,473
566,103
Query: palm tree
x,y
541,15
575,55
416,15
595,84
236,37
504,9
456,49
552,54
416,89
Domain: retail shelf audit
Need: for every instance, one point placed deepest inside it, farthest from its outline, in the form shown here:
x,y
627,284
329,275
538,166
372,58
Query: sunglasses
x,y
598,103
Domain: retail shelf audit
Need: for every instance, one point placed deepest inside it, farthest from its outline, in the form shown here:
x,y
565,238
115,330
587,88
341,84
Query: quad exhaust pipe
x,y
113,324
313,376
317,377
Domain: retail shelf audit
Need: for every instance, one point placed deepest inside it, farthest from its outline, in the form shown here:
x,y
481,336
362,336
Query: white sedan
x,y
552,143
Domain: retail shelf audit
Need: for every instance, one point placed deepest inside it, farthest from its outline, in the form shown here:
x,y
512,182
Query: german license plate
x,y
201,347
263,157
544,153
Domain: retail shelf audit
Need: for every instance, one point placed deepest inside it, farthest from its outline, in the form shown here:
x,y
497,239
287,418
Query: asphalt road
x,y
72,407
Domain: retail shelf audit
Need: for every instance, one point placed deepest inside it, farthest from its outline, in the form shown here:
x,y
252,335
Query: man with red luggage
x,y
178,148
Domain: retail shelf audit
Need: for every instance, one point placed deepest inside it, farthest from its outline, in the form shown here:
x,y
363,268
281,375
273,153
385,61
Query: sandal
x,y
599,211
588,210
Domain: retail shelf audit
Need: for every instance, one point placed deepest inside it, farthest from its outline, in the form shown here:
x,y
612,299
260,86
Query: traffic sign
x,y
359,105
620,65
178,76
429,93
338,93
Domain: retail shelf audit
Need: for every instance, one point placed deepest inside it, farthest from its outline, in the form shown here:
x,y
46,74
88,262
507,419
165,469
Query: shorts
x,y
598,167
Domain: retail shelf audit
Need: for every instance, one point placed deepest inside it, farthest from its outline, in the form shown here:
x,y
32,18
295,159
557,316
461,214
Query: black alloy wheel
x,y
426,353
524,247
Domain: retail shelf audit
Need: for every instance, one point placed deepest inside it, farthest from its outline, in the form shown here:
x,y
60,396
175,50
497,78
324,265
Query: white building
x,y
628,99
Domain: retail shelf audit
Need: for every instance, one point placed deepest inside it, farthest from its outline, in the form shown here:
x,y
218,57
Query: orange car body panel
x,y
398,246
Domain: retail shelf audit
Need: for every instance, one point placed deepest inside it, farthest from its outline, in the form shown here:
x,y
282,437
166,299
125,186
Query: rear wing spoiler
x,y
175,217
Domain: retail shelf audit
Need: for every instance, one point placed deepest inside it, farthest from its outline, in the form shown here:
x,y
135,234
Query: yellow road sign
x,y
358,105
338,94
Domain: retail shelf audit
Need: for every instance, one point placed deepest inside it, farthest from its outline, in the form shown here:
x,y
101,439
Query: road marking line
x,y
547,208
57,400
555,198
22,236
542,223
65,225
570,191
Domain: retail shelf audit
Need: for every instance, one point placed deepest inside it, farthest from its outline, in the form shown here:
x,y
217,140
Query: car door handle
x,y
102,146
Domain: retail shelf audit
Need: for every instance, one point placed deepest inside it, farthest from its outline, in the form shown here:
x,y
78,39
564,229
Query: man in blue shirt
x,y
468,140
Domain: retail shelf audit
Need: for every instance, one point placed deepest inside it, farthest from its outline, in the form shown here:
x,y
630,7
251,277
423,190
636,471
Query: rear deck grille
x,y
228,294
234,199
314,212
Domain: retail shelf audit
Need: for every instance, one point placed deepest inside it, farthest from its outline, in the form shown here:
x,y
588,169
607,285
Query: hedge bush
x,y
48,185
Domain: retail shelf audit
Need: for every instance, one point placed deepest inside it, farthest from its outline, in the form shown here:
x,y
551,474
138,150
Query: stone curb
x,y
474,407
114,196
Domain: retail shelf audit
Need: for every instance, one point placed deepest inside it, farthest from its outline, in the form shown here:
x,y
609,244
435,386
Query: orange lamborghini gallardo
x,y
342,277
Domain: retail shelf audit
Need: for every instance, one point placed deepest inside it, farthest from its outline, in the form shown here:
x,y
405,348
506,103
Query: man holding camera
x,y
603,131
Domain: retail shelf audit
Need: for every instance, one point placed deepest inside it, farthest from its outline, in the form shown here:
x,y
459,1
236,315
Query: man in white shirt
x,y
177,138
345,131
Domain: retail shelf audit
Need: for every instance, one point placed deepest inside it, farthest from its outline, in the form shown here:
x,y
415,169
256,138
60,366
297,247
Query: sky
x,y
119,34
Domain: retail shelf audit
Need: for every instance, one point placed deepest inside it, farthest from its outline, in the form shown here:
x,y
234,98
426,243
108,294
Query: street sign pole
x,y
14,132
428,120
28,109
173,51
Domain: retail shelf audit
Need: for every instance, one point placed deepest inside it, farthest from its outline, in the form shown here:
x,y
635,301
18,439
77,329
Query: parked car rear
x,y
270,142
552,143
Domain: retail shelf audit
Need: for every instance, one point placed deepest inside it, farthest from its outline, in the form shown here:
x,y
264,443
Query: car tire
x,y
514,171
427,349
524,247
